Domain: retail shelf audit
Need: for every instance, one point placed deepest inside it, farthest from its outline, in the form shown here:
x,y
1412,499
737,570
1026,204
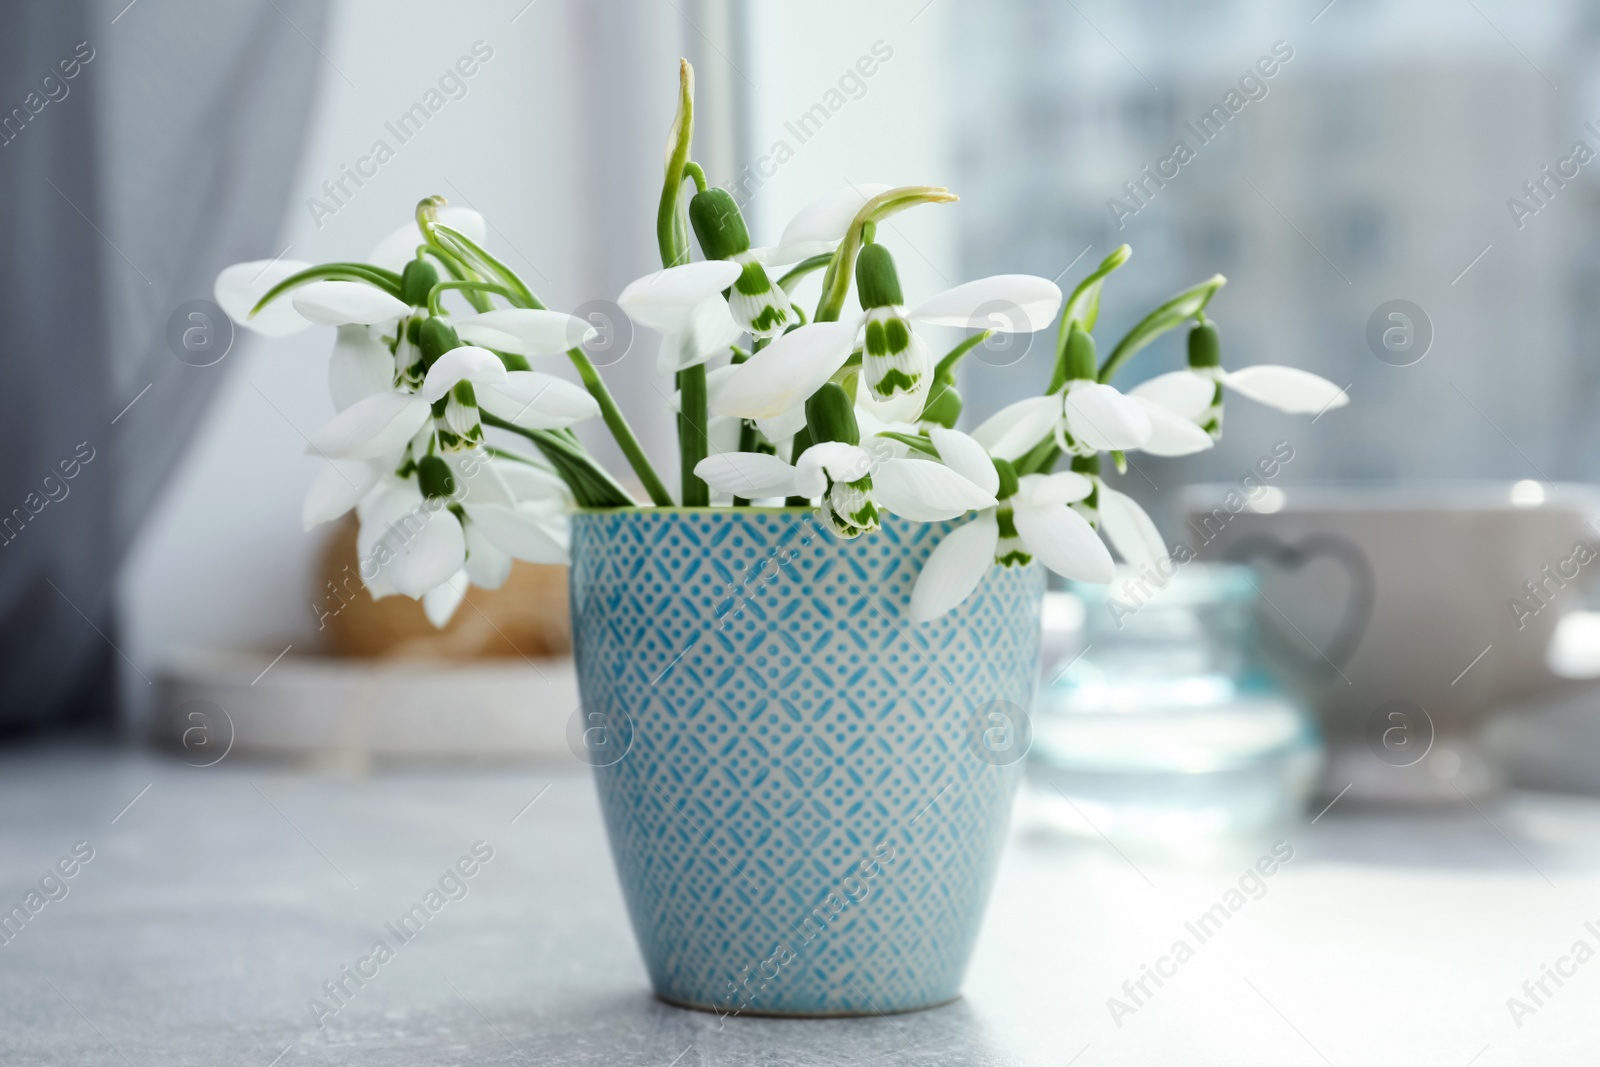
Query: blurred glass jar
x,y
1163,724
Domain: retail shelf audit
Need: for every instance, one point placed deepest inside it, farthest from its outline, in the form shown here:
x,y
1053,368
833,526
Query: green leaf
x,y
672,228
591,486
1084,304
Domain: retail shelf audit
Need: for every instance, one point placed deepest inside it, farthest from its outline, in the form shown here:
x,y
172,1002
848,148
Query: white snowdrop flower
x,y
896,368
685,304
851,483
1032,519
1195,394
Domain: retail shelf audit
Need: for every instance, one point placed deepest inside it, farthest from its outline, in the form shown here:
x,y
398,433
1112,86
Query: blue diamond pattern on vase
x,y
801,807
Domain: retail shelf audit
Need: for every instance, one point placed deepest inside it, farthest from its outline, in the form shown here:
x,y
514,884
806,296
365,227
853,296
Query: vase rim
x,y
675,509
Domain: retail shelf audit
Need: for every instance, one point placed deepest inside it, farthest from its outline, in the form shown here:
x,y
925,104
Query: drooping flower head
x,y
1196,394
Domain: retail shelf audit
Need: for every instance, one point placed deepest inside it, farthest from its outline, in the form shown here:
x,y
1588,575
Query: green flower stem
x,y
672,235
440,289
916,441
946,367
620,430
1186,305
671,230
747,443
459,270
804,267
692,444
1041,458
387,280
507,276
1083,306
692,169
836,283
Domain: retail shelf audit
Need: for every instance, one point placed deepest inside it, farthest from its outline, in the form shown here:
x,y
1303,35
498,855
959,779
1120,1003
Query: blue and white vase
x,y
806,793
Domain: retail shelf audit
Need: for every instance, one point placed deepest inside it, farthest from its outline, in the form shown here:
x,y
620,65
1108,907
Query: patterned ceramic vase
x,y
806,794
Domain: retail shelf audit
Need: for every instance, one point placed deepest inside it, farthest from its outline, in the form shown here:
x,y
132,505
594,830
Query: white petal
x,y
336,488
830,459
872,426
467,363
722,433
400,247
1009,303
361,365
709,330
1062,487
519,533
900,409
780,428
392,512
240,286
388,502
1183,391
955,568
524,482
1064,541
926,491
1129,529
372,427
488,566
747,474
1102,418
966,457
427,550
441,602
1010,432
784,374
1170,433
524,331
338,303
822,223
481,480
537,401
1287,389
664,300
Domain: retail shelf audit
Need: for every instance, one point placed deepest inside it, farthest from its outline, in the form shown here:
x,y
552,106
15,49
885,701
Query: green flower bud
x,y
1079,358
831,416
436,337
1204,351
718,225
435,477
877,281
417,281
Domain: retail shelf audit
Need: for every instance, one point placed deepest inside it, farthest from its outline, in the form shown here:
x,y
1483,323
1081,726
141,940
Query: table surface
x,y
218,902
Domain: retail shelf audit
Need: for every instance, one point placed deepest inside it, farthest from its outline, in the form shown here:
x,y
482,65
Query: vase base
x,y
771,1013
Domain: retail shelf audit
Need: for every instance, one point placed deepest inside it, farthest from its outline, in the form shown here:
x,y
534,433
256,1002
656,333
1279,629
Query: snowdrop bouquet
x,y
845,410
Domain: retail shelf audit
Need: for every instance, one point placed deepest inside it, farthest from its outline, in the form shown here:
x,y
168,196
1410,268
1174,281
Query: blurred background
x,y
1335,158
1386,656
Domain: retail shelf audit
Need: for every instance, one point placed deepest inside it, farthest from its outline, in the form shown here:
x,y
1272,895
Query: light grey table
x,y
219,901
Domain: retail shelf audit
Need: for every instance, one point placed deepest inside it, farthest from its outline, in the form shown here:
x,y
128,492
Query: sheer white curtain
x,y
125,181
